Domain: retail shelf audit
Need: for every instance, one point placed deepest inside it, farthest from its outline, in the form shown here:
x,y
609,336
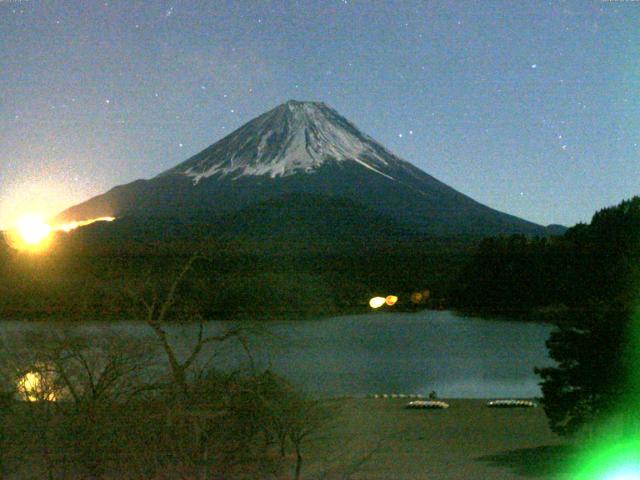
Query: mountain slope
x,y
302,147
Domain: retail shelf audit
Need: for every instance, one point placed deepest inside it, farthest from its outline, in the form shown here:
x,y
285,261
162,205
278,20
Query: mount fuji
x,y
302,150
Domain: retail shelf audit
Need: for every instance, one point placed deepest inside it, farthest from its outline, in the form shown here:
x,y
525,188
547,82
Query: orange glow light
x,y
33,229
67,227
391,300
33,234
35,387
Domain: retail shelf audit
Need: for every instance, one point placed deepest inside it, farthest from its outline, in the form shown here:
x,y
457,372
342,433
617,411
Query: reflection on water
x,y
379,353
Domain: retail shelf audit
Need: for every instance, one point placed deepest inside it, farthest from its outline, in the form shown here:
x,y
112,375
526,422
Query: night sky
x,y
530,107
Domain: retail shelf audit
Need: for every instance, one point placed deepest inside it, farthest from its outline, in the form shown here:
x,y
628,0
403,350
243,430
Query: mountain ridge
x,y
302,147
305,137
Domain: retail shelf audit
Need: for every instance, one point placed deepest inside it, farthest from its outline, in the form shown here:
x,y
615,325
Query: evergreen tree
x,y
594,344
590,377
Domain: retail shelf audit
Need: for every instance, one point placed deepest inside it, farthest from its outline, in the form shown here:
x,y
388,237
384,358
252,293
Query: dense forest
x,y
310,268
291,271
589,264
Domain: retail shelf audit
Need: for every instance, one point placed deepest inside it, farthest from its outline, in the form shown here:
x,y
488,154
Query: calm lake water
x,y
412,353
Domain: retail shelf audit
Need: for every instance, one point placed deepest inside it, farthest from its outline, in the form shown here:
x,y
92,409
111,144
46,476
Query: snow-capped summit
x,y
290,152
293,137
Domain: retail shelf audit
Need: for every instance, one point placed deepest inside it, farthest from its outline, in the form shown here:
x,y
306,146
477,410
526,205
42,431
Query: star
x,y
534,65
410,132
180,145
107,101
400,135
564,147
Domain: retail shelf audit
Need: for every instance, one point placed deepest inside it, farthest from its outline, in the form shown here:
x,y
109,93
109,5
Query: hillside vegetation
x,y
285,258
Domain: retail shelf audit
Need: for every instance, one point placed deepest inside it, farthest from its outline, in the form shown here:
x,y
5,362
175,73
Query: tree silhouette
x,y
593,344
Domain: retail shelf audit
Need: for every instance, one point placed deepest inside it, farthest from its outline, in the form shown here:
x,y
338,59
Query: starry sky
x,y
530,107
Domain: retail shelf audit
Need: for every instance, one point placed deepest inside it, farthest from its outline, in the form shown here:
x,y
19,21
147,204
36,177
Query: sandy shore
x,y
379,439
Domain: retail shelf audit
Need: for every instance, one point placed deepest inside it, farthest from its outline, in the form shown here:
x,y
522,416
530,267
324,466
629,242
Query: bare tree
x,y
75,385
289,417
36,385
157,312
192,413
102,403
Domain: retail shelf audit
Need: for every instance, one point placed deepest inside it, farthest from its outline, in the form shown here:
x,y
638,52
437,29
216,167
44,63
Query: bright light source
x,y
377,302
33,229
626,472
33,234
613,459
391,300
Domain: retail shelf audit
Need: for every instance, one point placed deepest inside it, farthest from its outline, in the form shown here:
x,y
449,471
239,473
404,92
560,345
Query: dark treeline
x,y
588,265
586,282
90,273
300,273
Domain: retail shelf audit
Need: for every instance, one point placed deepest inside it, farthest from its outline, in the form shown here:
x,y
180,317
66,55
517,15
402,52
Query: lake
x,y
410,353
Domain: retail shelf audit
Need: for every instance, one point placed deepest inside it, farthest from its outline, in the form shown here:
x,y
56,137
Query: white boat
x,y
424,404
511,404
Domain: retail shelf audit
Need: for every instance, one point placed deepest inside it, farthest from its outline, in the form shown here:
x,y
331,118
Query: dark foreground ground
x,y
363,439
379,439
